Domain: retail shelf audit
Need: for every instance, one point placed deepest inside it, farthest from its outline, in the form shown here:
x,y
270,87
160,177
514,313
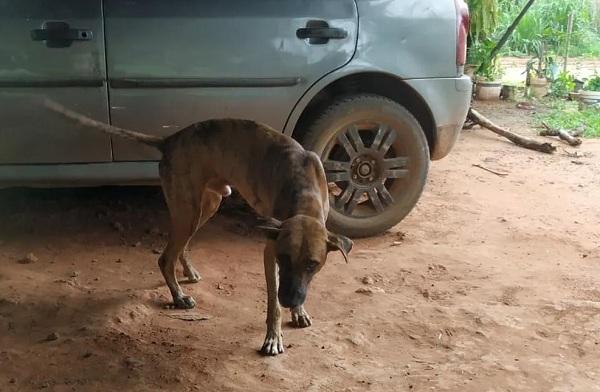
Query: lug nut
x,y
354,177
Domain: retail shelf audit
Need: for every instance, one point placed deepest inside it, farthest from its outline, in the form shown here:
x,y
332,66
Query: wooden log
x,y
577,132
563,134
519,140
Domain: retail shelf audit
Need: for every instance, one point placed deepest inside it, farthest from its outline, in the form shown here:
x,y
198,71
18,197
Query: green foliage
x,y
567,116
546,24
541,65
479,54
563,85
484,18
593,84
479,51
490,70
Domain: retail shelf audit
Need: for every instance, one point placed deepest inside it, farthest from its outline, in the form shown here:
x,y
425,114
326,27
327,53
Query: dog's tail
x,y
153,141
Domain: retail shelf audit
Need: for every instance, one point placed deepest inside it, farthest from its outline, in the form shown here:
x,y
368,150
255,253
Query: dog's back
x,y
251,157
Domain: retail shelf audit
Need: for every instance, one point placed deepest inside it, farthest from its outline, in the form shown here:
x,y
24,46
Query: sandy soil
x,y
513,68
491,284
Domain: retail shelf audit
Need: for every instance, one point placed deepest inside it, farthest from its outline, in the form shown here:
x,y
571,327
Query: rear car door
x,y
174,63
53,49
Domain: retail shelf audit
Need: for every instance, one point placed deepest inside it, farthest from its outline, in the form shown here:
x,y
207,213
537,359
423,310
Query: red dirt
x,y
491,284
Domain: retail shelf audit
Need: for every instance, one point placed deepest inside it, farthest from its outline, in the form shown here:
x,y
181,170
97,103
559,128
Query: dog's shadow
x,y
127,212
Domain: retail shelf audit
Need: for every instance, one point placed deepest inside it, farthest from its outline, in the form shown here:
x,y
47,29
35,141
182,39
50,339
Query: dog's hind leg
x,y
189,271
210,203
185,210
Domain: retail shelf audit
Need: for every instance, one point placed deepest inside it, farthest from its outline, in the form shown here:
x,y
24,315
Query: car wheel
x,y
376,159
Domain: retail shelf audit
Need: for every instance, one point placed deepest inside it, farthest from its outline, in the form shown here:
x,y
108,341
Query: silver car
x,y
375,87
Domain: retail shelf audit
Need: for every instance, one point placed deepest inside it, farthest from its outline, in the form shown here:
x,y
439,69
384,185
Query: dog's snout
x,y
293,298
291,292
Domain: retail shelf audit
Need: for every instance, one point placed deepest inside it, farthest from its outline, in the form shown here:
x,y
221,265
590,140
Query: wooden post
x,y
569,34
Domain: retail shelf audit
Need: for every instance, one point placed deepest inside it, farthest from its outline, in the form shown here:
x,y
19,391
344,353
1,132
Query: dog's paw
x,y
300,319
185,302
192,275
273,344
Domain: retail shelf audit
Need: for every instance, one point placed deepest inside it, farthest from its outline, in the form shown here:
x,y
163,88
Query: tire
x,y
376,158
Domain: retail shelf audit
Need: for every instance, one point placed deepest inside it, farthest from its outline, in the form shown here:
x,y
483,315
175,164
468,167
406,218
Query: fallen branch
x,y
189,316
574,154
519,140
562,134
525,106
468,125
578,132
491,171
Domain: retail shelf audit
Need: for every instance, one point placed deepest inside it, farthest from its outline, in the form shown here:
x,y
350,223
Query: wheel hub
x,y
362,165
364,169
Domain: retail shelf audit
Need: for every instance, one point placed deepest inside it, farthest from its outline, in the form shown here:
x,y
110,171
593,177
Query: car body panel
x,y
31,69
412,39
80,175
216,59
449,99
162,91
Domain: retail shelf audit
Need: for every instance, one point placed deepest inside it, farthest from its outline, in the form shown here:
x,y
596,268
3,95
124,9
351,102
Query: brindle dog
x,y
273,173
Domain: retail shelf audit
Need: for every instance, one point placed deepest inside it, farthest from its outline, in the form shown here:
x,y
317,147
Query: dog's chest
x,y
259,203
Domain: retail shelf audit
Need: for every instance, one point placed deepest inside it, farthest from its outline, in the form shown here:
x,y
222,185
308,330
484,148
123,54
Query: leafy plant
x,y
563,85
490,71
479,51
484,18
593,84
479,55
541,66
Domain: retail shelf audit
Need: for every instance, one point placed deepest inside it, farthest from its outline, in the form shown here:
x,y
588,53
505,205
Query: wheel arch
x,y
372,82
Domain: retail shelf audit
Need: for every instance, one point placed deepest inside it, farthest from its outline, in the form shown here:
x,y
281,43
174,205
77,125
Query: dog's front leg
x,y
300,318
273,344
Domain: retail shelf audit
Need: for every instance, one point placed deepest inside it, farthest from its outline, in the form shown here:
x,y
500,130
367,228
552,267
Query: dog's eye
x,y
312,266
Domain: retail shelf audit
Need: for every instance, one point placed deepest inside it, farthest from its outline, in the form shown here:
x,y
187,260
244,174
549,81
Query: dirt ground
x,y
513,68
491,284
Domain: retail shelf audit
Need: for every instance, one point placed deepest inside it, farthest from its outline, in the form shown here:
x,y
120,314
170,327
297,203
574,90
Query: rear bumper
x,y
449,100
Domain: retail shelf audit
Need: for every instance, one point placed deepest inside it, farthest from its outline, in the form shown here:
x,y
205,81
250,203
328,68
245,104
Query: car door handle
x,y
60,34
318,32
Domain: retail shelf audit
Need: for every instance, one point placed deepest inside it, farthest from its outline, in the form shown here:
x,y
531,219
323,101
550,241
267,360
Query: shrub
x,y
563,85
593,84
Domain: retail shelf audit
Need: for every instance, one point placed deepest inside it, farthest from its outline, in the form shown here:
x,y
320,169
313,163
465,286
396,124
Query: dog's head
x,y
301,244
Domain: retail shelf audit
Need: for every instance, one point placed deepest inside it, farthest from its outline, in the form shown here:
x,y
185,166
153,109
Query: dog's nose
x,y
286,303
292,299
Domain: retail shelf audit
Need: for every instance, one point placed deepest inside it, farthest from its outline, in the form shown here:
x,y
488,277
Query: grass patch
x,y
564,114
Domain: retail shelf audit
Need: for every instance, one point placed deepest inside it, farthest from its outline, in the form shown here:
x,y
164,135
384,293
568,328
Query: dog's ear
x,y
339,242
271,227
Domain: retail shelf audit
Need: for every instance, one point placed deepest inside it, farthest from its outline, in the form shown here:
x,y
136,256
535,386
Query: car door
x,y
173,63
51,49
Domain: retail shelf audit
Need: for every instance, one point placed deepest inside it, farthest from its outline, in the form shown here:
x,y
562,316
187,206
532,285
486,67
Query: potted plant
x,y
539,71
488,81
590,94
486,73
